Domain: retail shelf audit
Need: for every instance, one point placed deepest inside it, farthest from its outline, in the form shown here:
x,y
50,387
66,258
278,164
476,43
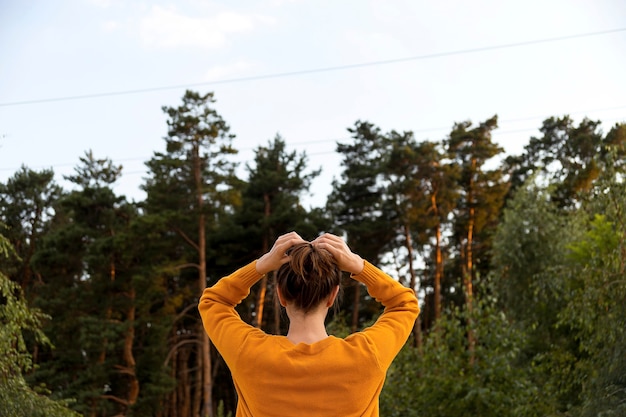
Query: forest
x,y
518,262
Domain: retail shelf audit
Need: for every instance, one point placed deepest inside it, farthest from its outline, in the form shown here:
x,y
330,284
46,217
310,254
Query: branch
x,y
186,238
188,265
116,399
176,346
185,310
125,370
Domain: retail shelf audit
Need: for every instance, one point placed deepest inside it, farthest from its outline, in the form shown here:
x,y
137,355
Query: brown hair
x,y
309,277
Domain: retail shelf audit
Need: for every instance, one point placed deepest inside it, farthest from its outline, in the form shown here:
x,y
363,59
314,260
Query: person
x,y
307,372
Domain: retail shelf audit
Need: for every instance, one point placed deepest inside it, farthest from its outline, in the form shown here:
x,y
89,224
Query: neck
x,y
307,327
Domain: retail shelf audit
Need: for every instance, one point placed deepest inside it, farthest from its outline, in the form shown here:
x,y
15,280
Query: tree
x,y
481,193
530,248
189,189
595,310
529,245
356,203
271,205
438,178
17,399
405,200
566,156
26,206
613,151
86,257
561,257
562,283
426,182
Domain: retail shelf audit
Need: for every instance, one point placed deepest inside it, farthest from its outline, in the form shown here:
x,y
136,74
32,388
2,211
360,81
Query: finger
x,y
331,240
288,242
331,247
334,241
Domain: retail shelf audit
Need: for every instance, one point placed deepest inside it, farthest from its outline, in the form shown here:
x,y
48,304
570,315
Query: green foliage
x,y
271,196
357,200
441,380
16,317
358,208
95,173
17,399
220,410
270,206
530,248
595,310
569,157
192,194
564,284
198,146
481,191
26,208
529,245
119,282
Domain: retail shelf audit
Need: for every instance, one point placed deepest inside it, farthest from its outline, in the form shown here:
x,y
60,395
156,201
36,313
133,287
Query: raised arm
x,y
217,304
395,324
393,327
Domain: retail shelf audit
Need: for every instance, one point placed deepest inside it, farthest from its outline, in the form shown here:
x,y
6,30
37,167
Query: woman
x,y
308,372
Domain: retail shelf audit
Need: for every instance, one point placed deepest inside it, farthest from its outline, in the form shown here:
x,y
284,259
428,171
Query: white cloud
x,y
110,25
101,3
168,28
225,72
104,4
280,3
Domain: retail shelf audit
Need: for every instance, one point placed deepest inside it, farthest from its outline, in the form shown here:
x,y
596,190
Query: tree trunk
x,y
184,385
129,358
260,305
438,259
417,331
173,402
469,267
204,358
108,314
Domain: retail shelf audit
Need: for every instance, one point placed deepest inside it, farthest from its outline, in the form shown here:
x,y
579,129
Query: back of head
x,y
309,277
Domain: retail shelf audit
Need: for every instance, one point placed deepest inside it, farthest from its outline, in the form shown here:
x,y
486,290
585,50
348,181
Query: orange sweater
x,y
332,377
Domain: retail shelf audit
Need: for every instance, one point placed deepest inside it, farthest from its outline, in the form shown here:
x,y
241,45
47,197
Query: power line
x,y
499,133
317,70
423,130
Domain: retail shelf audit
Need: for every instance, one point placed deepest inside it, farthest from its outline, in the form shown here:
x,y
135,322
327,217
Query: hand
x,y
346,259
273,259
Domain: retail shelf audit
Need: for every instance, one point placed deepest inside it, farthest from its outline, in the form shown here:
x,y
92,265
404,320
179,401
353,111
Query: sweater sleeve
x,y
395,324
217,309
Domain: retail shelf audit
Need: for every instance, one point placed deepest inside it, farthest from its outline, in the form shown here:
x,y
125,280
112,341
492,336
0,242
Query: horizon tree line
x,y
120,280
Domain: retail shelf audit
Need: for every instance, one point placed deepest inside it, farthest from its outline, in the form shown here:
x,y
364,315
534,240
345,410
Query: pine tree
x,y
426,182
357,203
26,206
85,258
271,206
190,187
567,156
481,193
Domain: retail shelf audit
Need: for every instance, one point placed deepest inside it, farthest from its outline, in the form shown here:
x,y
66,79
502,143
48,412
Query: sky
x,y
81,75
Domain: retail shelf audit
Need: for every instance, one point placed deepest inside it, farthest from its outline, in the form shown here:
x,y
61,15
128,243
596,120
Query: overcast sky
x,y
401,65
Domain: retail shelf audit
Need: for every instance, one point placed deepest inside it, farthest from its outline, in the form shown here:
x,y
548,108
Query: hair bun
x,y
309,277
